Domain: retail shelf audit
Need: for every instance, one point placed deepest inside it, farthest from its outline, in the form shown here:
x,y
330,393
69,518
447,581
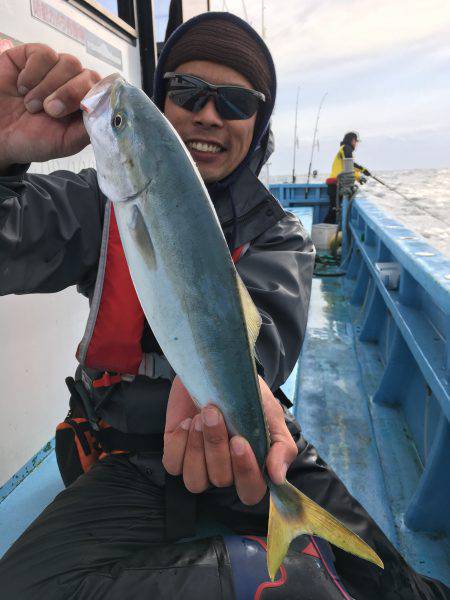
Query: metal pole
x,y
267,174
314,142
147,44
295,136
345,241
263,29
245,10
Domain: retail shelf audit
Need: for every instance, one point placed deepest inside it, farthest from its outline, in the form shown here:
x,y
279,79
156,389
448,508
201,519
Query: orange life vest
x,y
112,340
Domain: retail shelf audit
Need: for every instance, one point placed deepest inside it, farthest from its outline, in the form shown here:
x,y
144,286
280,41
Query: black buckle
x,y
77,390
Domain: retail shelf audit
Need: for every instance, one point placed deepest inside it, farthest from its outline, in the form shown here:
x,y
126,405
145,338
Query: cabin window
x,y
118,15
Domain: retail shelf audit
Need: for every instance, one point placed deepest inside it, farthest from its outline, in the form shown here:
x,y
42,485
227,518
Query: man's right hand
x,y
40,94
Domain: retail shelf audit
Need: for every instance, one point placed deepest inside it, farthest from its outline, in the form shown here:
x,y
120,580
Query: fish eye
x,y
117,120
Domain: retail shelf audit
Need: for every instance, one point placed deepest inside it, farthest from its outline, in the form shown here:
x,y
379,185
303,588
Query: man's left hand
x,y
197,445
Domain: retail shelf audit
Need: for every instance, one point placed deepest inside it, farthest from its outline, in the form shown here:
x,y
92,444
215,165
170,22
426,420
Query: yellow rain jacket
x,y
338,164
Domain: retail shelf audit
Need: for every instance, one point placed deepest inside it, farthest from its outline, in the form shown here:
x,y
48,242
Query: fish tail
x,y
292,514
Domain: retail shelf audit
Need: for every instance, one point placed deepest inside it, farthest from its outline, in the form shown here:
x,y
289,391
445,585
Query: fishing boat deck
x,y
365,443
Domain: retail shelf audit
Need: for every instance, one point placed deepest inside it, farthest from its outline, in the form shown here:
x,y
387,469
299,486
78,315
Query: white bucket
x,y
322,235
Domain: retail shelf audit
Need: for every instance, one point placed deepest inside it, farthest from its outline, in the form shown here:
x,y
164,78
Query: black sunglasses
x,y
232,102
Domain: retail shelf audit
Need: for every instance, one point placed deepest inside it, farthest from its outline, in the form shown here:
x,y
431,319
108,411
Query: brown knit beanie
x,y
223,42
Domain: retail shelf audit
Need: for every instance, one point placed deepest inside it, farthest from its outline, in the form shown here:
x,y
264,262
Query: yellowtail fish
x,y
194,300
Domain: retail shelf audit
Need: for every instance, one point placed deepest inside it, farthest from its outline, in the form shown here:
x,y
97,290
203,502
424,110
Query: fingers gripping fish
x,y
196,304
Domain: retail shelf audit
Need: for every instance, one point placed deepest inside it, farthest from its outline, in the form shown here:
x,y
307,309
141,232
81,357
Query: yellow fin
x,y
251,313
292,514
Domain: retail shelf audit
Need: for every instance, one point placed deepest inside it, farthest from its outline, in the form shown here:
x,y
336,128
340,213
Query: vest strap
x,y
156,366
112,441
153,366
106,380
109,439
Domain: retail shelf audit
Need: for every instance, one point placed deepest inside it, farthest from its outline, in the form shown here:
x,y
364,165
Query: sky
x,y
384,65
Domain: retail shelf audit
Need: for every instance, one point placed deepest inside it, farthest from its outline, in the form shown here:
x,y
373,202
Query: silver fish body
x,y
192,297
179,260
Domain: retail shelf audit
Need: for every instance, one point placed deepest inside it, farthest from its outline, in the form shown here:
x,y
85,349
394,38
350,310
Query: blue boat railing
x,y
410,323
400,286
313,195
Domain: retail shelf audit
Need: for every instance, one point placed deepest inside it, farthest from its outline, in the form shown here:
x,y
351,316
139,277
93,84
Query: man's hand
x,y
40,93
197,445
362,180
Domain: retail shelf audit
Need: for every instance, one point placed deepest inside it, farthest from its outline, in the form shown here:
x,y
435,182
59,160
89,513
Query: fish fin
x,y
141,234
251,313
292,514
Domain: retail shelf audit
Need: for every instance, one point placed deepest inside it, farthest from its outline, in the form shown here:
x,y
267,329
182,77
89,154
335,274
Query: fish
x,y
199,309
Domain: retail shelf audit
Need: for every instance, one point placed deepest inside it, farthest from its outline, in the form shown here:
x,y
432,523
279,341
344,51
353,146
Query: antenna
x,y
245,11
314,142
268,174
263,29
295,136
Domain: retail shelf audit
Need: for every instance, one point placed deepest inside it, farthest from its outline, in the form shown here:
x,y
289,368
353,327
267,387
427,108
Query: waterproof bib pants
x,y
101,538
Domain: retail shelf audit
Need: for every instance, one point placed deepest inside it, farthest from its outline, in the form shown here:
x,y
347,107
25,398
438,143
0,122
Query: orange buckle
x,y
106,380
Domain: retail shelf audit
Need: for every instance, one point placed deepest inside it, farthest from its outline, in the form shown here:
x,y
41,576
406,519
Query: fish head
x,y
119,119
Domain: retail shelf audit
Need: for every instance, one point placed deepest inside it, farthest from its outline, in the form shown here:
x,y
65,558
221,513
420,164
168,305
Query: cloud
x,y
309,35
384,64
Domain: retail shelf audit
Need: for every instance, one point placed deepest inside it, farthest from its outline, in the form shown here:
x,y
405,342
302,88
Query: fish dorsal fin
x,y
251,313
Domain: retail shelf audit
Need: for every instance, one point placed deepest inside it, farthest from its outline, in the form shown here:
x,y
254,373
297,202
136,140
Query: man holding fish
x,y
216,85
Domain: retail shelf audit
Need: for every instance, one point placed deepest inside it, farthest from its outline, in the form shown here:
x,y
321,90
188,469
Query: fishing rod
x,y
295,136
245,11
314,142
390,188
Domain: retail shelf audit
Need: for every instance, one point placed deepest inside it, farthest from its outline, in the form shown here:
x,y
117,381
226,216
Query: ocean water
x,y
423,207
426,208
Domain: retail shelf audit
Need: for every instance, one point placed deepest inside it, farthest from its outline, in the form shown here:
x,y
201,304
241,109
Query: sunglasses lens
x,y
237,104
189,98
232,103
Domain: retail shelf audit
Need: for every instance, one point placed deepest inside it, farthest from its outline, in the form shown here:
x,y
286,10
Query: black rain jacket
x,y
50,236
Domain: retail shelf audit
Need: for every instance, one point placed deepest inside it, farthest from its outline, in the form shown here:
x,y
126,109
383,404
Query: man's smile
x,y
205,146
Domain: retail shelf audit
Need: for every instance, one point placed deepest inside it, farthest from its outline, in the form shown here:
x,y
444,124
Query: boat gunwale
x,y
431,271
426,363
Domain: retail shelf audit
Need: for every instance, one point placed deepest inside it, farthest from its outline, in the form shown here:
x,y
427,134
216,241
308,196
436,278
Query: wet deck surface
x,y
366,444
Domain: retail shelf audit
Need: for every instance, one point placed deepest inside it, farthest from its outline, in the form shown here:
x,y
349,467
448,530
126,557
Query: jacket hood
x,y
261,146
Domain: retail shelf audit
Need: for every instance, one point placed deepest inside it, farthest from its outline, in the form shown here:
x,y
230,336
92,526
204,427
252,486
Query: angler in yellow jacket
x,y
346,148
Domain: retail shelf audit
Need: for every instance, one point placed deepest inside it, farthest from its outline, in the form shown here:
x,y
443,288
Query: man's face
x,y
231,138
354,142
